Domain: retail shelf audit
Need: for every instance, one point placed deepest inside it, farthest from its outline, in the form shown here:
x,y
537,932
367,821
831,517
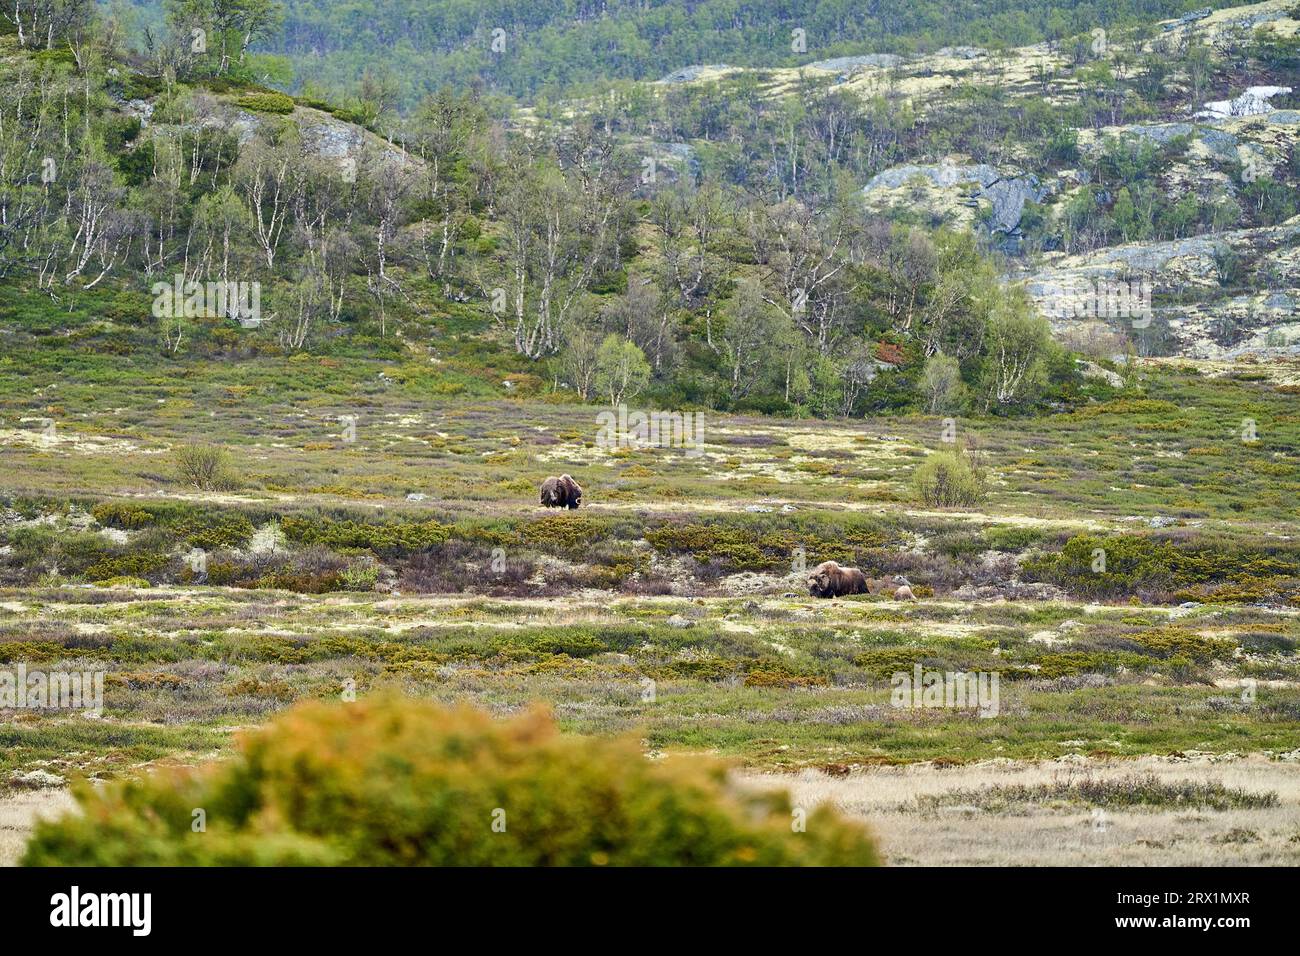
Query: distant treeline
x,y
551,46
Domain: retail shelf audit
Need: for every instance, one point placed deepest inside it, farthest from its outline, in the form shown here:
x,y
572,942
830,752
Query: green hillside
x,y
552,46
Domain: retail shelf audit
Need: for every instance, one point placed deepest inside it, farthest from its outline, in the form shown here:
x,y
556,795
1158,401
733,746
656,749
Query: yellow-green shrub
x,y
266,102
947,480
393,781
115,514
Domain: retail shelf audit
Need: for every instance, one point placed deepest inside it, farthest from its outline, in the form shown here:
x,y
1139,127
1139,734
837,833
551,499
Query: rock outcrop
x,y
994,200
1253,102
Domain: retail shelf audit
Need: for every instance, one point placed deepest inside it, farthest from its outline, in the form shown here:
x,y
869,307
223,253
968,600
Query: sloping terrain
x,y
1224,141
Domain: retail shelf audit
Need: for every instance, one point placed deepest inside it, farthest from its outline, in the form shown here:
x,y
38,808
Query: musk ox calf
x,y
904,590
829,579
562,492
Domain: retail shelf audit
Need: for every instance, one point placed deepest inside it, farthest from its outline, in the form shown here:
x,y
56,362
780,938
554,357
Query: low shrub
x,y
1171,642
212,530
755,545
1116,565
360,576
388,539
137,564
767,674
122,581
206,467
399,782
948,480
116,514
268,102
1145,792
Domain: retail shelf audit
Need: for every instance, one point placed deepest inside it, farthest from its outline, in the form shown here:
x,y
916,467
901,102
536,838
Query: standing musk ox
x,y
562,492
829,579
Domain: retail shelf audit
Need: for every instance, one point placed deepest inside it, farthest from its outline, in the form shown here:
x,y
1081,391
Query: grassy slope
x,y
778,682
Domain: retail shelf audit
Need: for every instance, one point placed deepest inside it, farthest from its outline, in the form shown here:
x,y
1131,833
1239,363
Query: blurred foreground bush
x,y
392,781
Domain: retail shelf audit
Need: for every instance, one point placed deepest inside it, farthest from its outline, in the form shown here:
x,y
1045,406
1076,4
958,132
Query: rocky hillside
x,y
1212,97
323,136
870,232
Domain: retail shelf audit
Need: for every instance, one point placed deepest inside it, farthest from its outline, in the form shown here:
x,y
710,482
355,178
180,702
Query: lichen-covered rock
x,y
1253,102
1093,370
36,780
964,193
1189,304
689,74
941,174
840,64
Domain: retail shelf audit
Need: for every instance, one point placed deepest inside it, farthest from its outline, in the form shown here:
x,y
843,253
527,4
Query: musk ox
x,y
828,579
562,492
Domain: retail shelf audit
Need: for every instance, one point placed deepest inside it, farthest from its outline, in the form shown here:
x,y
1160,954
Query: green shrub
x,y
214,529
1172,642
562,534
755,545
133,564
772,672
948,480
736,548
122,581
206,467
393,781
1011,538
360,576
40,546
268,102
299,581
1121,564
884,662
389,539
29,651
1069,663
115,514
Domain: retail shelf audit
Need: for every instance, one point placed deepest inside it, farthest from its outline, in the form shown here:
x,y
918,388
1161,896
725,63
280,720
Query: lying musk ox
x,y
904,591
562,492
829,579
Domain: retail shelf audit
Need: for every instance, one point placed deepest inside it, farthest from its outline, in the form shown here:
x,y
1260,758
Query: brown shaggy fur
x,y
562,492
828,579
